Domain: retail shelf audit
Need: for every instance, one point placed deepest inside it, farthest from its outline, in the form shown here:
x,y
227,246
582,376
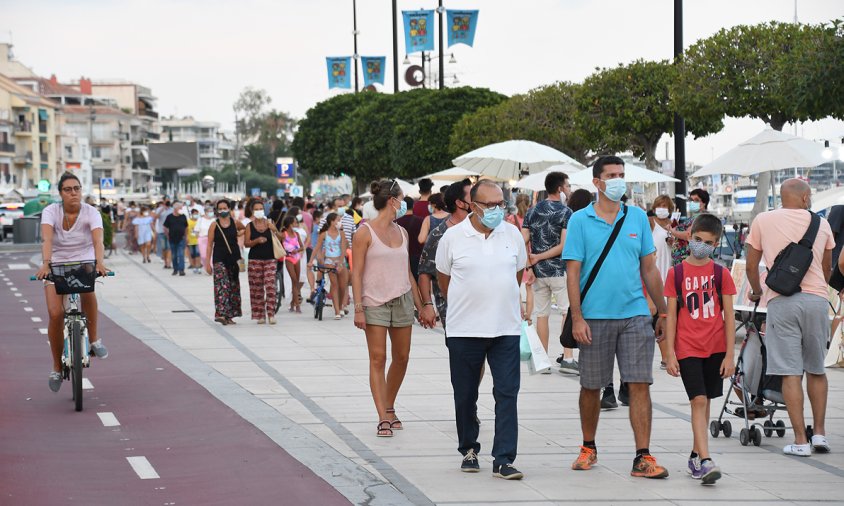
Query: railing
x,y
23,126
5,147
24,157
153,136
151,114
44,156
42,127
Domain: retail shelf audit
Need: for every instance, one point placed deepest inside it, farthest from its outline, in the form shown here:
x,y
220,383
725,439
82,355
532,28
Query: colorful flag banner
x,y
339,75
373,69
461,27
418,31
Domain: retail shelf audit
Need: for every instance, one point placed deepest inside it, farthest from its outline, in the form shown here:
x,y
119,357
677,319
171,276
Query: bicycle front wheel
x,y
76,365
279,287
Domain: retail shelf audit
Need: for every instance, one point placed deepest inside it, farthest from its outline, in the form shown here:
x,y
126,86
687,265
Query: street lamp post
x,y
93,117
355,33
395,50
679,123
440,10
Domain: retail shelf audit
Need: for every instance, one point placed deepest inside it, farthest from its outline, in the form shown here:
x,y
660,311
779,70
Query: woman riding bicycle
x,y
71,231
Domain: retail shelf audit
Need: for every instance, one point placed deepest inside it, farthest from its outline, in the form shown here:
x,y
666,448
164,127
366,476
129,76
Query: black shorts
x,y
702,376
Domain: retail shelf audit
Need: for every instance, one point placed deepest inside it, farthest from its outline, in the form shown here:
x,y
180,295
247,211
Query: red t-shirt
x,y
700,322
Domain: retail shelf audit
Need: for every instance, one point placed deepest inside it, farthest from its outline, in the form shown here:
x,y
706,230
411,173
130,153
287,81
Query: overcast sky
x,y
197,55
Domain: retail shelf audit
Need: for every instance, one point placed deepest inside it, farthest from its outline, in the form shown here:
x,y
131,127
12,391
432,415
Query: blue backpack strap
x,y
678,279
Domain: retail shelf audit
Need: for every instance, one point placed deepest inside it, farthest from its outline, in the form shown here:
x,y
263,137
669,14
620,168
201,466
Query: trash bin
x,y
27,230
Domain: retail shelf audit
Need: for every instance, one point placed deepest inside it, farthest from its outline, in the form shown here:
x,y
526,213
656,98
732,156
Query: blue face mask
x,y
402,210
694,207
616,189
492,217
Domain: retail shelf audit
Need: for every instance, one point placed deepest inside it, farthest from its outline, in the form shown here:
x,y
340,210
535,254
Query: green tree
x,y
315,142
424,123
249,110
628,108
757,71
545,115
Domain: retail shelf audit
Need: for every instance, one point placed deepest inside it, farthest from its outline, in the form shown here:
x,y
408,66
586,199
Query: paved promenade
x,y
305,385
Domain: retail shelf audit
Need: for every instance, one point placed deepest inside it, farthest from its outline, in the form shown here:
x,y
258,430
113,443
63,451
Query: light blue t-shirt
x,y
617,291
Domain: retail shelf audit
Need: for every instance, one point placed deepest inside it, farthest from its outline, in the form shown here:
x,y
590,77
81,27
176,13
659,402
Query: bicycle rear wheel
x,y
76,366
279,287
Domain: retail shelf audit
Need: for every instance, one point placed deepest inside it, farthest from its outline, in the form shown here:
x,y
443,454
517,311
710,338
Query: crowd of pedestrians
x,y
462,258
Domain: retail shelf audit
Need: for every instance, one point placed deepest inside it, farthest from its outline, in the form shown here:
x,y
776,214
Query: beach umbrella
x,y
632,174
536,182
453,174
767,151
509,160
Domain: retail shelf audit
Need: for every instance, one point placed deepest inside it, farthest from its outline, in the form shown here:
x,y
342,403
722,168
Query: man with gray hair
x,y
798,324
176,227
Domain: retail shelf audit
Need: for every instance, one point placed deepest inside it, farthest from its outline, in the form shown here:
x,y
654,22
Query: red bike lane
x,y
201,450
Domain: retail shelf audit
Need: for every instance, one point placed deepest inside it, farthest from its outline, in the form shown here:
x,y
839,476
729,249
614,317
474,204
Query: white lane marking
x,y
19,267
13,289
43,331
143,468
18,294
9,283
86,384
28,309
108,419
36,319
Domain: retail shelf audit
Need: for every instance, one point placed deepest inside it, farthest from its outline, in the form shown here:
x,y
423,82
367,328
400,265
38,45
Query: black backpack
x,y
792,263
678,280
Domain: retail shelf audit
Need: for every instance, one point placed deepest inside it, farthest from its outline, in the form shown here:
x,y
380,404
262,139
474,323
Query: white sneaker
x,y
798,450
819,443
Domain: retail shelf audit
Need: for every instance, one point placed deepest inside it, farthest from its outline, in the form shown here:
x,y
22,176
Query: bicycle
x,y
71,279
279,286
320,293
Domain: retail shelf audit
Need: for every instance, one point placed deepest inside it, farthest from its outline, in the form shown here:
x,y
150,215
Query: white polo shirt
x,y
483,295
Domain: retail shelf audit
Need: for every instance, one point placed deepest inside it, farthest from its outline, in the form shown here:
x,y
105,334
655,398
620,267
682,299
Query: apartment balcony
x,y
102,140
23,158
23,128
5,147
44,156
42,127
149,114
153,136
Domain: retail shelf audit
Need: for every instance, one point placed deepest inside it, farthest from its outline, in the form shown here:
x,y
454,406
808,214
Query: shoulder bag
x,y
793,262
567,337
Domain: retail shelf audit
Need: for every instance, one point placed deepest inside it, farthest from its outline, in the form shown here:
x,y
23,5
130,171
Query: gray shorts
x,y
395,313
631,340
797,333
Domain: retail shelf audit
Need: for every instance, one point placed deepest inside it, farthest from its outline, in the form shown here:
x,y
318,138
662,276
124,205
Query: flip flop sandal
x,y
394,424
384,431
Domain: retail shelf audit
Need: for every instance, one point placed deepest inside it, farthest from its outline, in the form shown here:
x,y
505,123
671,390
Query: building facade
x,y
215,149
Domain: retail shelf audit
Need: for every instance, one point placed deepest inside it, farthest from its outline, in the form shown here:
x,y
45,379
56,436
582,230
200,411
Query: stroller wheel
x,y
744,437
780,431
757,436
768,430
727,428
714,428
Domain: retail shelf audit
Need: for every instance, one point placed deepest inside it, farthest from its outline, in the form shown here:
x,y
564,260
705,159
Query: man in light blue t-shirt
x,y
614,321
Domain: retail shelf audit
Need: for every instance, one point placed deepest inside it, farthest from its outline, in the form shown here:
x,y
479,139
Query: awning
x,y
42,113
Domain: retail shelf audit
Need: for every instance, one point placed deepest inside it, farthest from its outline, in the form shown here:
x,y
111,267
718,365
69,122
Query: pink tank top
x,y
385,272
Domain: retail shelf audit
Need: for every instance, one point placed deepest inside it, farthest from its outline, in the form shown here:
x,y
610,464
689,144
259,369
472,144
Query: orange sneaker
x,y
588,457
646,467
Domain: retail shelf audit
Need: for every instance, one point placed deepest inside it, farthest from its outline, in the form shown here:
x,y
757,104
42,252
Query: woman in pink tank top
x,y
385,295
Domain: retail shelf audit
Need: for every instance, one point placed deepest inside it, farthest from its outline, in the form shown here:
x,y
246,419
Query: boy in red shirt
x,y
701,334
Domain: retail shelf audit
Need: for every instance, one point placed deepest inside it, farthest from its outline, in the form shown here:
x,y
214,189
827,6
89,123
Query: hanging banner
x,y
338,72
418,31
373,69
461,27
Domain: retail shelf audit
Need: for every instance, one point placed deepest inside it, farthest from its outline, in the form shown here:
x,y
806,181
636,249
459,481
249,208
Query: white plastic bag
x,y
524,345
539,360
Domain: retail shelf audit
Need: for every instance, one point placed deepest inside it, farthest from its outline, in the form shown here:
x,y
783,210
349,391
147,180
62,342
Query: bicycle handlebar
x,y
49,277
324,268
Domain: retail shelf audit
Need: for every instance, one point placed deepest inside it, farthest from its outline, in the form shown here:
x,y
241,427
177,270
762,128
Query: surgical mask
x,y
259,214
210,214
661,212
563,198
224,214
146,213
194,216
616,189
430,210
299,218
694,206
492,217
402,210
341,210
700,249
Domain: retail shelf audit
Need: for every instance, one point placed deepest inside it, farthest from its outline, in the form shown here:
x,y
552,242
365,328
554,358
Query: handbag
x,y
278,249
567,336
793,262
241,265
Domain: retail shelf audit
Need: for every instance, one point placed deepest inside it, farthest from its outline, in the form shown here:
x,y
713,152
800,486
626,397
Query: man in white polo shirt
x,y
479,269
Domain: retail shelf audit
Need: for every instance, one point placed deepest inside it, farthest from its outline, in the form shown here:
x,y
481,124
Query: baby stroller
x,y
759,395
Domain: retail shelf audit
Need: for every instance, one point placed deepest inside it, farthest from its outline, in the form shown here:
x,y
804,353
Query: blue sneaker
x,y
710,473
99,349
694,468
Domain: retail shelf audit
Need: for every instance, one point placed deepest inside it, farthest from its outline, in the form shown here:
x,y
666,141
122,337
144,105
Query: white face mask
x,y
661,212
259,214
146,213
563,198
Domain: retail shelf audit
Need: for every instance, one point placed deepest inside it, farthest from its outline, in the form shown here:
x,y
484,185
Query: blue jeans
x,y
177,249
162,244
466,357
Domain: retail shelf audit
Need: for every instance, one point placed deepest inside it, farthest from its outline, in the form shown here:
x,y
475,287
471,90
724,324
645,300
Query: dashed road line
x,y
19,267
28,309
108,419
143,468
86,384
42,331
36,319
17,294
13,289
